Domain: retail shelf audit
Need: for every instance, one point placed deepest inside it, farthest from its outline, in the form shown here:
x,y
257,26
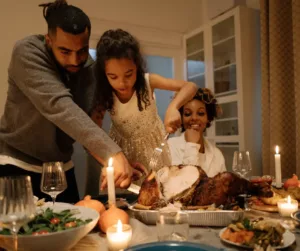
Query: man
x,y
50,92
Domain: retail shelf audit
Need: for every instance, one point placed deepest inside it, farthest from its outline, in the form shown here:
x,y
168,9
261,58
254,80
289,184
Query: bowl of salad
x,y
57,227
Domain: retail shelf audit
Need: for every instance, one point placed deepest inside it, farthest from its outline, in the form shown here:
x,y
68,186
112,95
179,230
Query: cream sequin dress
x,y
138,132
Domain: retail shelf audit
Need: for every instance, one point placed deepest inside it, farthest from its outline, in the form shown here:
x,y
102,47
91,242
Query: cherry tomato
x,y
70,224
55,221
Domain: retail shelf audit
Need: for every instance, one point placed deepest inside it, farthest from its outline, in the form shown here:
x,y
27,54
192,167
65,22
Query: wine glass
x,y
17,205
241,163
172,226
53,179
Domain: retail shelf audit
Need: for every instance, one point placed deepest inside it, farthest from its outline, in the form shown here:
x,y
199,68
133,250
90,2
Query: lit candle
x,y
118,236
287,206
110,183
278,168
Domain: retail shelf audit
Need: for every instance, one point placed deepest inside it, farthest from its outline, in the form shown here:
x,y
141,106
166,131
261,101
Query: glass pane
x,y
194,43
228,149
224,54
225,79
229,110
199,81
195,64
164,67
227,127
223,30
93,53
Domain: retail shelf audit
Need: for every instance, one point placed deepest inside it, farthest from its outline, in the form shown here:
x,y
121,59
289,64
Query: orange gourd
x,y
94,204
292,182
111,216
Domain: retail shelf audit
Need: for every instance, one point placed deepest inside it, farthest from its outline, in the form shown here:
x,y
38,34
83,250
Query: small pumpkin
x,y
111,216
94,204
292,182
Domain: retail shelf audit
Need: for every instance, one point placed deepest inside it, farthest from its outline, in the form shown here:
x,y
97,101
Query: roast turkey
x,y
190,186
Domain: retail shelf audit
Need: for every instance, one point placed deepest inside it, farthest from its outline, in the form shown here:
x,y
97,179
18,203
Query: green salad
x,y
49,222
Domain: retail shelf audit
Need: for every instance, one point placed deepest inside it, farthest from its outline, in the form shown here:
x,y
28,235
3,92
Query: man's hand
x,y
122,172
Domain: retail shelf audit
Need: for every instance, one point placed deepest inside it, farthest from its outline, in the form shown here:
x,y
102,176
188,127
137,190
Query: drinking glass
x,y
17,205
53,179
241,163
172,226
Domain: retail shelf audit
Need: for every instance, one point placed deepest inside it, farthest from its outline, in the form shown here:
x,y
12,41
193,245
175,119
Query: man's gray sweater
x,y
46,109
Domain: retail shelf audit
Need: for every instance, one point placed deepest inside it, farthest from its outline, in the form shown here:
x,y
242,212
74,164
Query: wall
x,y
17,19
165,15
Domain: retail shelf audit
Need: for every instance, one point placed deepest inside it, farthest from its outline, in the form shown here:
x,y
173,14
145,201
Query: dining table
x,y
142,233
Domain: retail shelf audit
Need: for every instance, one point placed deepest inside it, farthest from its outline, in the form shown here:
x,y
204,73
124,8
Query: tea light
x,y
111,183
118,236
287,206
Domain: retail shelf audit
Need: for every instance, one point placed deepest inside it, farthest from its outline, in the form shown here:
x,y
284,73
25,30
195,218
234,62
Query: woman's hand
x,y
193,136
172,119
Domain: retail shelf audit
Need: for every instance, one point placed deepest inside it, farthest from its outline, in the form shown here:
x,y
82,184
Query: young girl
x,y
191,147
126,92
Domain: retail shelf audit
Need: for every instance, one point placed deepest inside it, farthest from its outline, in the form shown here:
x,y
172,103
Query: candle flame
x,y
289,200
119,226
277,149
110,161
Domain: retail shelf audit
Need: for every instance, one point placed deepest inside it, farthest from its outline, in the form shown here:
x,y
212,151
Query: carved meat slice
x,y
170,184
178,183
149,193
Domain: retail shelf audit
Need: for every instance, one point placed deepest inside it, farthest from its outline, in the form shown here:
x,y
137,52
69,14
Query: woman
x,y
126,92
191,147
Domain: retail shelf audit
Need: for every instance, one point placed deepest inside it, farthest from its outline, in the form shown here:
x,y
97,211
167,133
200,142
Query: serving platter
x,y
217,218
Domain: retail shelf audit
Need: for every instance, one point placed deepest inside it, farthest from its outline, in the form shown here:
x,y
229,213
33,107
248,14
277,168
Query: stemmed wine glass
x,y
17,205
53,179
241,163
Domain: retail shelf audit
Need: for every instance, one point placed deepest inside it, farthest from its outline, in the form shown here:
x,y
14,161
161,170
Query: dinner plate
x,y
288,239
172,246
296,215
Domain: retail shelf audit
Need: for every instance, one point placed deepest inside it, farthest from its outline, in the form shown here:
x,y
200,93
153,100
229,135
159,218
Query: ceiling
x,y
172,15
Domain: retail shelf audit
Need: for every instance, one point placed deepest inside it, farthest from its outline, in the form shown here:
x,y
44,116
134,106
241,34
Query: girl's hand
x,y
172,120
139,171
193,136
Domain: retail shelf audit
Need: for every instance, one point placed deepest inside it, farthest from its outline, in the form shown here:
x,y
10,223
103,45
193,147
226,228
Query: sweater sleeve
x,y
36,76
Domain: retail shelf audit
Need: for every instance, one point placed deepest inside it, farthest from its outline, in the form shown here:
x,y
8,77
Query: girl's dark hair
x,y
119,44
67,17
213,110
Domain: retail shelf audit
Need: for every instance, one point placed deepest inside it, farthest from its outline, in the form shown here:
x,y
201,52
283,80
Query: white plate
x,y
288,239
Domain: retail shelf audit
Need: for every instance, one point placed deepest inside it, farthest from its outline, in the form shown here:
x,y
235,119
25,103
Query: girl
x,y
191,147
127,93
